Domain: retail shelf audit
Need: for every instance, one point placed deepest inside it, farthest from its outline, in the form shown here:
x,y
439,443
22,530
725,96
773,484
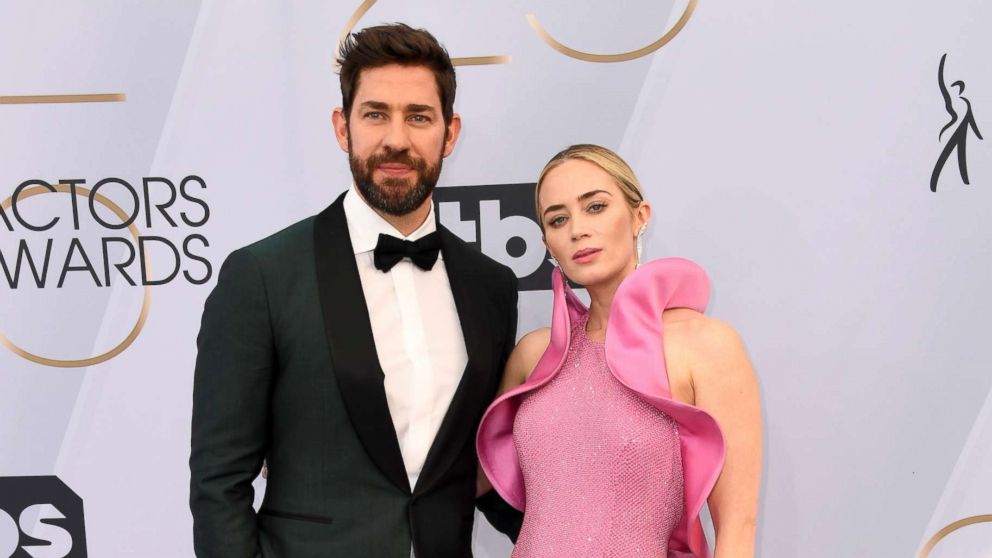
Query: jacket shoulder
x,y
292,238
285,249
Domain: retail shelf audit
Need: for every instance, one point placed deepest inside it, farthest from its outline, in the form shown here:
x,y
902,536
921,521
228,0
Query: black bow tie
x,y
422,252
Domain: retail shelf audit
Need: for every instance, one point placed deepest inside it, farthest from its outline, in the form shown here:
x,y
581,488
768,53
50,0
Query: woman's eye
x,y
597,207
557,221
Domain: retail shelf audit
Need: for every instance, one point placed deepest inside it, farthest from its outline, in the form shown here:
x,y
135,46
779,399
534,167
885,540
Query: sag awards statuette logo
x,y
40,516
960,126
35,249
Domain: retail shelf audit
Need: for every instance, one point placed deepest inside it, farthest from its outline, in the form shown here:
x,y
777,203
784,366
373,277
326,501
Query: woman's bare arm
x,y
521,363
725,386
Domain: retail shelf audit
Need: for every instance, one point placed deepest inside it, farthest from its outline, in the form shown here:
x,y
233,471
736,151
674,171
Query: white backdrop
x,y
787,147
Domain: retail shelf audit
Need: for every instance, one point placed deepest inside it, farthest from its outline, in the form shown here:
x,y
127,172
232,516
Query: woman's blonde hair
x,y
603,158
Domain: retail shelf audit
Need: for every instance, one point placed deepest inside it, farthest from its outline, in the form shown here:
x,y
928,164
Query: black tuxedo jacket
x,y
287,371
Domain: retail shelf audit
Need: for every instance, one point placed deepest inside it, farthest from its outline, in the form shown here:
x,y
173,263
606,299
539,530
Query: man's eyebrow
x,y
585,196
377,105
413,107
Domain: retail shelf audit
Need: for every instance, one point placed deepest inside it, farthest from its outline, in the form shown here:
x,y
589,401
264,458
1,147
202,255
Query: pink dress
x,y
561,486
601,466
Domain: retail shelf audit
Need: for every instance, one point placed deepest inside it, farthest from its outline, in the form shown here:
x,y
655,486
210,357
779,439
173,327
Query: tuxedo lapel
x,y
474,390
349,336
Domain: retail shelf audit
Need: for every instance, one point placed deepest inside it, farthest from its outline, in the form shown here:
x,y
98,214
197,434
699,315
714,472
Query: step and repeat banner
x,y
824,161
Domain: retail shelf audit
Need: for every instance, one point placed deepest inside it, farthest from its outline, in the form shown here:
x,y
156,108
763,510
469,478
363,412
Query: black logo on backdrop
x,y
40,516
499,220
960,124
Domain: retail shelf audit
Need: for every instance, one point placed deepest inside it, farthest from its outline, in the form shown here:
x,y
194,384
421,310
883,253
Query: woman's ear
x,y
642,214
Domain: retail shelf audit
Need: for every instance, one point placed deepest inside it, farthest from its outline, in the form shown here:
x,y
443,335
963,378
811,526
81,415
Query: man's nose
x,y
397,136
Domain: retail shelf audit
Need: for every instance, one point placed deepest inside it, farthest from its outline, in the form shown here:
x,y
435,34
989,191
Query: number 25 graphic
x,y
551,41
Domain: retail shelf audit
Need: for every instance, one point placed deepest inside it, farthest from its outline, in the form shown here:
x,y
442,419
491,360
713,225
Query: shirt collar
x,y
365,225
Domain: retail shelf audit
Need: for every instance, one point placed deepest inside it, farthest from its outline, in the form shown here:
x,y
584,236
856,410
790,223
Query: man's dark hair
x,y
396,43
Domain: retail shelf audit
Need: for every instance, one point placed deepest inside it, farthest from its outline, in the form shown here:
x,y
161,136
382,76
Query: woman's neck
x,y
601,299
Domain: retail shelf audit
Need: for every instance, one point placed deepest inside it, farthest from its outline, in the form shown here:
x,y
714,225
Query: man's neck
x,y
408,222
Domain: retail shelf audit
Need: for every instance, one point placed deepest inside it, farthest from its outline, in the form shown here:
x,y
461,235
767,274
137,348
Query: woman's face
x,y
588,225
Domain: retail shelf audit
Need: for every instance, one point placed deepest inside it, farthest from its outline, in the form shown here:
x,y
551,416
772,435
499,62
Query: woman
x,y
618,422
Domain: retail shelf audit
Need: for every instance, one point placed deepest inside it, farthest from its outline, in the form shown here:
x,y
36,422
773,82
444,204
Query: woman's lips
x,y
585,255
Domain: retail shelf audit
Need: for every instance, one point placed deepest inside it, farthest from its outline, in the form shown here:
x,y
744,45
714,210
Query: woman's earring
x,y
640,243
557,265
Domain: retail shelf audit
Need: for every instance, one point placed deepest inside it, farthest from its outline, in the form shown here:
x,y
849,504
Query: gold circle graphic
x,y
939,535
621,57
366,5
145,304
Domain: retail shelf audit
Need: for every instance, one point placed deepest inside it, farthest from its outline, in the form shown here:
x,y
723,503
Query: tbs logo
x,y
40,517
500,220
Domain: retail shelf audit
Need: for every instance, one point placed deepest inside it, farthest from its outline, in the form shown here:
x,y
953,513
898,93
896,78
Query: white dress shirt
x,y
418,336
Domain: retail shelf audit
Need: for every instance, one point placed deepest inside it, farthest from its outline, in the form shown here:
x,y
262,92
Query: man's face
x,y
396,137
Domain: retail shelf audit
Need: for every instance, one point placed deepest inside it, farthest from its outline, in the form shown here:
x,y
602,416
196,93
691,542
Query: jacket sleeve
x,y
232,381
510,339
502,516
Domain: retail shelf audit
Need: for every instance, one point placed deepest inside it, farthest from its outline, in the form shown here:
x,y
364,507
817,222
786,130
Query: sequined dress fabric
x,y
602,468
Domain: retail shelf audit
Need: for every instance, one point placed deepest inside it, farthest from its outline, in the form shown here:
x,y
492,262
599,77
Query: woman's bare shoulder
x,y
696,327
531,346
524,357
709,343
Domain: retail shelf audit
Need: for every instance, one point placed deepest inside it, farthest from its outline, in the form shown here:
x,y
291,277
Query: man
x,y
355,351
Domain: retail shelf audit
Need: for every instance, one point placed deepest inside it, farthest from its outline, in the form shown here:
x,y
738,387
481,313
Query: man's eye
x,y
374,115
420,118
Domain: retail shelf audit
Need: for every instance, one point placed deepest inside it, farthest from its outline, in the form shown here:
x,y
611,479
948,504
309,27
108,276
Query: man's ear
x,y
340,124
454,129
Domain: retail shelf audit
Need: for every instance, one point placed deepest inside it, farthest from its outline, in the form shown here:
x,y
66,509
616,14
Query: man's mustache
x,y
400,157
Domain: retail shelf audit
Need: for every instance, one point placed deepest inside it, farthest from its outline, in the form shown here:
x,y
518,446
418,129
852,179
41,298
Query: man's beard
x,y
394,196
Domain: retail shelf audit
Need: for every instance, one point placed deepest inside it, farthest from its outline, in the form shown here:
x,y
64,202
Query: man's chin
x,y
398,185
396,198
